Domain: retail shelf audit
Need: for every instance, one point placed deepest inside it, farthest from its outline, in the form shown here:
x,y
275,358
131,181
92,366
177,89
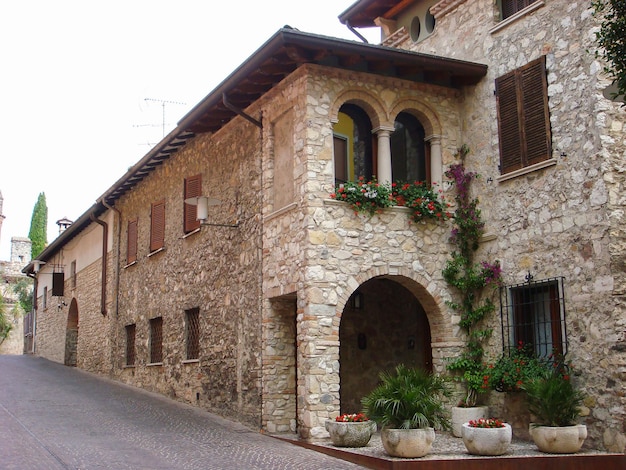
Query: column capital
x,y
436,138
382,129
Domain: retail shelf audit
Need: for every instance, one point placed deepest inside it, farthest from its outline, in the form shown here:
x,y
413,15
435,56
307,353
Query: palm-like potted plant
x,y
409,405
555,404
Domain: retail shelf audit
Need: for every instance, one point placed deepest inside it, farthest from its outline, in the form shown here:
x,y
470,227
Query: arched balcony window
x,y
410,158
352,144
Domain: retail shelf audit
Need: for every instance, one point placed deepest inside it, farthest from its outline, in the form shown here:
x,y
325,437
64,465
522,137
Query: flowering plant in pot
x,y
409,404
487,436
555,403
350,430
364,196
425,201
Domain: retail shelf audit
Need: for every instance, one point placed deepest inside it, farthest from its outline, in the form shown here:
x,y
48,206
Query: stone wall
x,y
568,219
216,269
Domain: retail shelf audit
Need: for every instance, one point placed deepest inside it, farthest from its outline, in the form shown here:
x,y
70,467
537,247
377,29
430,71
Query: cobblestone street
x,y
57,417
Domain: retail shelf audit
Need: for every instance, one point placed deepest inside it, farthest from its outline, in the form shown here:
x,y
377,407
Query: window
x,y
510,7
156,340
352,145
192,333
131,246
45,297
533,313
193,188
157,226
73,274
408,152
130,344
523,119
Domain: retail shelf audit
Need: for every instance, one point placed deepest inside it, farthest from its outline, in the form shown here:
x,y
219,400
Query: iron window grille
x,y
156,340
510,7
533,313
130,344
192,333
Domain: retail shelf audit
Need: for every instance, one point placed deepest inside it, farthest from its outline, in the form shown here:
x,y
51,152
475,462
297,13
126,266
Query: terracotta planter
x,y
559,440
407,443
487,441
461,415
350,434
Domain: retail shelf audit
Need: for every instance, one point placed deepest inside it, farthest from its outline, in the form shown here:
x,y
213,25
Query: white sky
x,y
75,75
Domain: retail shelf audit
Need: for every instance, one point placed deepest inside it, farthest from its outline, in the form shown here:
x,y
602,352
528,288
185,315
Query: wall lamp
x,y
202,204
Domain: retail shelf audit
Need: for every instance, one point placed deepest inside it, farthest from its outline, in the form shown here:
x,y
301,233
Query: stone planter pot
x,y
350,434
487,441
559,440
461,415
407,443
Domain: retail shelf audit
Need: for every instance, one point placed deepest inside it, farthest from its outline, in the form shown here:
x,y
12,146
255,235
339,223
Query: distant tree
x,y
5,323
612,39
39,226
24,291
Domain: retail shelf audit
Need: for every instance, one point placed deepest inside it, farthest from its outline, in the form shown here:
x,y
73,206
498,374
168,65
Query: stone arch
x,y
427,117
370,104
71,335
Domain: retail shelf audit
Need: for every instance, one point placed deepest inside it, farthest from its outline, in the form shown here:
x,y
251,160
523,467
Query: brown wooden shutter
x,y
58,284
523,117
157,226
536,125
510,7
193,188
509,123
131,249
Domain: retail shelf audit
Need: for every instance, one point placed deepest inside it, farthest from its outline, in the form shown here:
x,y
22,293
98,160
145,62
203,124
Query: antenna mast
x,y
163,103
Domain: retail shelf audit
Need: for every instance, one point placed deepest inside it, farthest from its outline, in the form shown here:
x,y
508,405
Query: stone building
x,y
281,305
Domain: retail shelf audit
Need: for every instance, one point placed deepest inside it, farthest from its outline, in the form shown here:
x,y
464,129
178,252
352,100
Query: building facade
x,y
283,305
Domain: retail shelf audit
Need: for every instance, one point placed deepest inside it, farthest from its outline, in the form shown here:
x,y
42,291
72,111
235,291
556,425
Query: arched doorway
x,y
382,325
71,335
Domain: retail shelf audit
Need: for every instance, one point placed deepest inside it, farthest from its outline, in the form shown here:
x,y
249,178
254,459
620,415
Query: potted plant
x,y
350,430
409,405
487,436
555,404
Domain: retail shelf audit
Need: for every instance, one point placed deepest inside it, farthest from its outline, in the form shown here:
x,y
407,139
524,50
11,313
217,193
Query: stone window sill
x,y
154,364
512,19
191,361
526,170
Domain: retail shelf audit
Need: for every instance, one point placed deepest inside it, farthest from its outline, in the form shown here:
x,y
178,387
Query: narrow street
x,y
57,417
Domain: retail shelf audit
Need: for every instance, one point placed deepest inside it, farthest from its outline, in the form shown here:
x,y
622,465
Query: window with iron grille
x,y
192,333
533,314
157,226
73,273
130,344
523,117
510,7
156,340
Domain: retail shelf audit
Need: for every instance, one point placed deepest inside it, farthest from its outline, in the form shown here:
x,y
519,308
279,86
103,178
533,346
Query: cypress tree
x,y
38,226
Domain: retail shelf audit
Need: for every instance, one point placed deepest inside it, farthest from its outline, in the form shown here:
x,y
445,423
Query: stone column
x,y
436,161
383,172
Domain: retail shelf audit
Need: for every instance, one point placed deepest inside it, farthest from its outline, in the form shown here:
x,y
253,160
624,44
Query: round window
x,y
416,28
429,22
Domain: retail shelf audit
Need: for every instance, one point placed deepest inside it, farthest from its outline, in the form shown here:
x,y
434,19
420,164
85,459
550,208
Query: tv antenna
x,y
163,103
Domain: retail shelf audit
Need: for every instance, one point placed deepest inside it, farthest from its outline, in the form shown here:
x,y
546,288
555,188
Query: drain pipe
x,y
105,238
117,254
359,35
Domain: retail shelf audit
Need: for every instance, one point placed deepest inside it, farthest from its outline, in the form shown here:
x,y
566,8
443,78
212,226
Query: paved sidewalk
x,y
56,417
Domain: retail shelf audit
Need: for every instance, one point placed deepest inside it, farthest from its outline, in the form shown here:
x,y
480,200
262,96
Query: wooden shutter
x,y
523,118
58,284
157,226
510,7
534,85
131,248
193,188
509,123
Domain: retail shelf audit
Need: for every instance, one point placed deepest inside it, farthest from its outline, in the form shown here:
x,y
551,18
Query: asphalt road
x,y
56,417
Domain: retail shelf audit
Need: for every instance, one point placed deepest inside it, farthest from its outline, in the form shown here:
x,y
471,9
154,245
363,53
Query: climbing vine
x,y
469,279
